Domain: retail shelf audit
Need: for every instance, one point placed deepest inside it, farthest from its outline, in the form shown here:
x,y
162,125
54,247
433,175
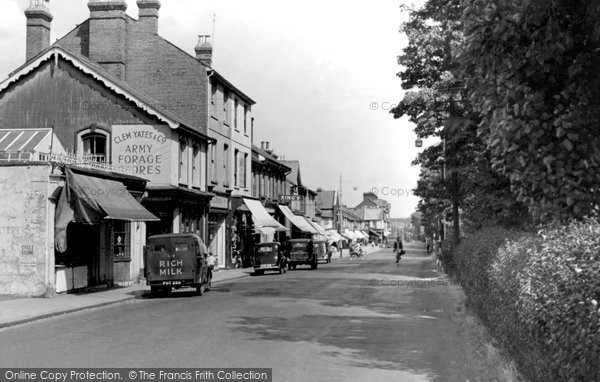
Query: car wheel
x,y
199,291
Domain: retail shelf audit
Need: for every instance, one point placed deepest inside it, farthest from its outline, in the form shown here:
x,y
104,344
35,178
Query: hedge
x,y
539,294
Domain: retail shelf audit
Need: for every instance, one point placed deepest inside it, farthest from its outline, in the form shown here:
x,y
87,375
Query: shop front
x,y
217,231
99,229
251,222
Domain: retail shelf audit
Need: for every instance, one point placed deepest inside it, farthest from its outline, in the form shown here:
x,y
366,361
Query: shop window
x,y
121,241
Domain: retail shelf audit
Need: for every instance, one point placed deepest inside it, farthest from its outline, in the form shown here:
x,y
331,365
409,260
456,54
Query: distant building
x,y
375,213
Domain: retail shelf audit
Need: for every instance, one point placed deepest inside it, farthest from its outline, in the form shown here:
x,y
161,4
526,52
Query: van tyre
x,y
199,291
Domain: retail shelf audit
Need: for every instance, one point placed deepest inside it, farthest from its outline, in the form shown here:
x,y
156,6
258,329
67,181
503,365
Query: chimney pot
x,y
204,50
39,21
267,144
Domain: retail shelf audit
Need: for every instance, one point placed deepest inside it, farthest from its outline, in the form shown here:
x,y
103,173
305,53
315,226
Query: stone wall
x,y
26,230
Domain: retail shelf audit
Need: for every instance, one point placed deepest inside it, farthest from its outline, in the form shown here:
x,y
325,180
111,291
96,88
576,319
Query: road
x,y
364,320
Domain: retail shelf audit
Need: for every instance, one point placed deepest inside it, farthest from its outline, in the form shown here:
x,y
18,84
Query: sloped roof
x,y
270,158
326,199
141,100
178,81
294,176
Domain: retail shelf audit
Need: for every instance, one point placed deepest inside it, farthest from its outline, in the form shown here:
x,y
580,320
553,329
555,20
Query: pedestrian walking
x,y
399,249
210,261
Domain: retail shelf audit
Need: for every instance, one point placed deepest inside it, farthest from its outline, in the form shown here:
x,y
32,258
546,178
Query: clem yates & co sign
x,y
143,149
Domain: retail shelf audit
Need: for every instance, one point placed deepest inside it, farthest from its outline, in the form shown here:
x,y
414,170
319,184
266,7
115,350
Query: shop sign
x,y
144,150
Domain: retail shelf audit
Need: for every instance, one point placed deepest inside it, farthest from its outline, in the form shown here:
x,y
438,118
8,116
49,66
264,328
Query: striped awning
x,y
23,140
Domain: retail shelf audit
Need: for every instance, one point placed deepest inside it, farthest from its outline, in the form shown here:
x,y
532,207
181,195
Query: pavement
x,y
16,311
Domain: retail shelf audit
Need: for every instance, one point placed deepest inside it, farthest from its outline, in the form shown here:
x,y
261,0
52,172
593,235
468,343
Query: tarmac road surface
x,y
359,320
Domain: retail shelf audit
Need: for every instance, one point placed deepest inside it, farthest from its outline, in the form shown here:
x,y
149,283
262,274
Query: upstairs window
x,y
183,161
213,163
94,147
235,113
226,164
226,107
196,165
213,96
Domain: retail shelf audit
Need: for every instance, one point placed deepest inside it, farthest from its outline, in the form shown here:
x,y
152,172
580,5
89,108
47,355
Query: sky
x,y
322,73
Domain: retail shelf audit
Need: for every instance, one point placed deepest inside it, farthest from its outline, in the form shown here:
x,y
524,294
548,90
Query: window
x,y
213,96
226,107
226,164
213,165
183,161
94,147
236,168
235,113
246,119
196,166
121,241
244,172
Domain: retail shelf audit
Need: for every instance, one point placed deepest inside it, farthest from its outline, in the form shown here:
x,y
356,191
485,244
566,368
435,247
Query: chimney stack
x,y
148,15
108,25
39,19
204,50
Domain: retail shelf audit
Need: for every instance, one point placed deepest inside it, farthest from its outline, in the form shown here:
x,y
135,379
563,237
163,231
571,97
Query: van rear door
x,y
171,260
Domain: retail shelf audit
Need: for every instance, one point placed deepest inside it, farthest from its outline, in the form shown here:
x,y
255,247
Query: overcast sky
x,y
316,68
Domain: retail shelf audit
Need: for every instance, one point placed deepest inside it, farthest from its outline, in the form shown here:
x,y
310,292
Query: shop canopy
x,y
88,199
97,198
349,234
336,236
298,221
317,226
359,235
263,222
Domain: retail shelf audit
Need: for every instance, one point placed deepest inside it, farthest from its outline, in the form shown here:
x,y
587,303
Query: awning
x,y
89,200
333,234
261,217
23,140
298,221
318,227
104,197
349,234
359,235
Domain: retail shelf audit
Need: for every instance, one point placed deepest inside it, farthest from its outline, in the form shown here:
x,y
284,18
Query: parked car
x,y
268,257
175,261
302,253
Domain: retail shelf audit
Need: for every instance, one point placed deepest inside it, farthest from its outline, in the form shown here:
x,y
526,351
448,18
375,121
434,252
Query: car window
x,y
298,245
182,247
265,249
160,248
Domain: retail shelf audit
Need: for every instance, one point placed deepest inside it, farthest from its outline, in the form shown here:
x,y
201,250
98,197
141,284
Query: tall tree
x,y
531,69
457,172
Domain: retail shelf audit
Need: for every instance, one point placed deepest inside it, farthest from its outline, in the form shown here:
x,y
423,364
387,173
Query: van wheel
x,y
154,291
314,265
199,290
